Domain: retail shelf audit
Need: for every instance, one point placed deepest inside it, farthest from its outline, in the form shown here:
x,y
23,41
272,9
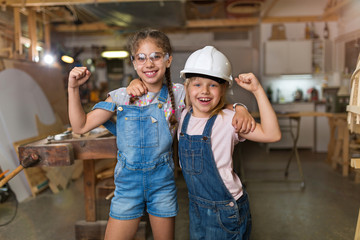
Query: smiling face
x,y
204,95
152,71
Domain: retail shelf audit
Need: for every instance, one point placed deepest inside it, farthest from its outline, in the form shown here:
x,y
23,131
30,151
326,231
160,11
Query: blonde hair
x,y
219,106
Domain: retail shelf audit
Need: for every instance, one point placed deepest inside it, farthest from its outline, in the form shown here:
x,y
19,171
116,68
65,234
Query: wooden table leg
x,y
89,190
90,228
332,140
345,153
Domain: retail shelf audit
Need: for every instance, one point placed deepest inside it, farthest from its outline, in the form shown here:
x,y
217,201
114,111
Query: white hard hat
x,y
210,62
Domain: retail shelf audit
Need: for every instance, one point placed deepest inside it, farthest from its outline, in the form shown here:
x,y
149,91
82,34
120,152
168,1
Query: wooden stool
x,y
341,149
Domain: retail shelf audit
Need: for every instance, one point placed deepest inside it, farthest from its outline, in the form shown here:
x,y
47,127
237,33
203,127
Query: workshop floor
x,y
327,208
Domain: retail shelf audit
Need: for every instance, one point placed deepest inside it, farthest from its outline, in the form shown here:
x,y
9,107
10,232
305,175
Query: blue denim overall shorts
x,y
144,173
214,213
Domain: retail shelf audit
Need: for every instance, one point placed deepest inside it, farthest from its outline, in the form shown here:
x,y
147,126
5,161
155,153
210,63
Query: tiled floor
x,y
327,208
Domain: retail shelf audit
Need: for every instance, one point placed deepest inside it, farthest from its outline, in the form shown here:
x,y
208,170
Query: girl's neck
x,y
156,87
199,114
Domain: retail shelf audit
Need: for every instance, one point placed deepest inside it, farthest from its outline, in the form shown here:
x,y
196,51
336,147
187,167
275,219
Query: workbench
x,y
64,152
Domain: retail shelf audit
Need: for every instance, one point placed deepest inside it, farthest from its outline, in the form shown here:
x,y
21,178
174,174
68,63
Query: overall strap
x,y
207,128
186,122
209,125
109,106
163,94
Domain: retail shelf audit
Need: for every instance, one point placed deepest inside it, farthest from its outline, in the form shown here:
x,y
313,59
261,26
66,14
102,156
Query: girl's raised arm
x,y
268,129
79,120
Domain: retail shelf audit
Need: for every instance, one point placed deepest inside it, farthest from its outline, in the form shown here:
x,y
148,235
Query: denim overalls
x,y
214,213
144,176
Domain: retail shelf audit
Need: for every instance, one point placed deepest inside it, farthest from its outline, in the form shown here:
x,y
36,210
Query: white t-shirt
x,y
223,140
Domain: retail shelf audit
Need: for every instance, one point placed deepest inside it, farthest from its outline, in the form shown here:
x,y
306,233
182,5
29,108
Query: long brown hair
x,y
162,41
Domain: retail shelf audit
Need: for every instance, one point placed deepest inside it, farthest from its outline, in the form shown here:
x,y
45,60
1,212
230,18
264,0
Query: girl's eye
x,y
196,84
140,58
157,57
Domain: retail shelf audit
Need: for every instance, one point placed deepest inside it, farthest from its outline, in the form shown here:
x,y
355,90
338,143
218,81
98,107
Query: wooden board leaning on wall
x,y
50,79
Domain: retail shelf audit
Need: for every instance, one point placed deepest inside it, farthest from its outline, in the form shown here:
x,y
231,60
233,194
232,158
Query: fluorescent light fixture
x,y
67,59
115,54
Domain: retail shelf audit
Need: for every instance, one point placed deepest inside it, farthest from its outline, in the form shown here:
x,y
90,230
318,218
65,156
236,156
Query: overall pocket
x,y
229,220
192,161
141,131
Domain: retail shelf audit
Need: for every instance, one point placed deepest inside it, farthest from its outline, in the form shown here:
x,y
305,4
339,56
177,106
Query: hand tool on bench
x,y
30,161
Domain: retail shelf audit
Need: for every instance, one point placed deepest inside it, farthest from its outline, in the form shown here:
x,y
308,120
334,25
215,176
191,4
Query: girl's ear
x,y
134,64
168,62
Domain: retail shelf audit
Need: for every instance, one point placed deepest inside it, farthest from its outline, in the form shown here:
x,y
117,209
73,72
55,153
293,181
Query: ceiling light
x,y
115,54
48,59
67,59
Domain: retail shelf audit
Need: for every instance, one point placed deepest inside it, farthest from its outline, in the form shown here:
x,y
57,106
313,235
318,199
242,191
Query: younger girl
x,y
219,207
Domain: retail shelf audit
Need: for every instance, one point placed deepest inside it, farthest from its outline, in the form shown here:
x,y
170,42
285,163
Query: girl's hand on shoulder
x,y
248,81
242,121
78,76
136,88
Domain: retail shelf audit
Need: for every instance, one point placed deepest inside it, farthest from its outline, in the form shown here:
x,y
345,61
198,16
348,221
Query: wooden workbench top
x,y
304,114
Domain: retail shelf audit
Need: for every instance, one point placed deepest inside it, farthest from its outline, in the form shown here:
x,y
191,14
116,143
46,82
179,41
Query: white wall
x,y
288,85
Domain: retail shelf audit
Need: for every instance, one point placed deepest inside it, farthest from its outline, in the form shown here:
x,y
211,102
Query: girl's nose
x,y
149,63
205,90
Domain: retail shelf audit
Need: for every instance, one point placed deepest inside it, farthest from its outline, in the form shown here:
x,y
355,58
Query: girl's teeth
x,y
150,73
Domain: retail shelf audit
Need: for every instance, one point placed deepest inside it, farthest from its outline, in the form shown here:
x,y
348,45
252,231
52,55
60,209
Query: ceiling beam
x,y
252,21
197,24
337,7
231,22
85,27
40,3
299,19
268,8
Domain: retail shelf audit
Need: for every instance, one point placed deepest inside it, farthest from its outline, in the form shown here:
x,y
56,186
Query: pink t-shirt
x,y
223,140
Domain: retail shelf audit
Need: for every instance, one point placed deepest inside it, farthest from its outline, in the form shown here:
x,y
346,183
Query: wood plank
x,y
47,33
33,53
355,163
357,231
85,27
61,154
17,31
37,3
235,22
64,152
353,109
98,148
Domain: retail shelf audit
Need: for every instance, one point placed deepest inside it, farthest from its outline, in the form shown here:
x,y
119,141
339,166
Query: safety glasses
x,y
155,57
